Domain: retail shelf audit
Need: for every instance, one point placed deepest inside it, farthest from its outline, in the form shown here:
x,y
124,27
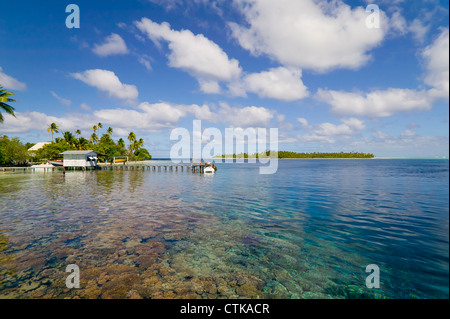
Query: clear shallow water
x,y
308,231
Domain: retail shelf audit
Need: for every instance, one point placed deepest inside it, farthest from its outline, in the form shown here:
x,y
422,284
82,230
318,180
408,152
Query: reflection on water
x,y
308,231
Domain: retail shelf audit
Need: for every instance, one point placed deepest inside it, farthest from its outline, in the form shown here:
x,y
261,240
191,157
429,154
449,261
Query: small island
x,y
286,154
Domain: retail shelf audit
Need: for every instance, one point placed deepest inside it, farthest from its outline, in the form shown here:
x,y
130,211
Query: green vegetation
x,y
285,154
4,99
103,144
53,128
13,152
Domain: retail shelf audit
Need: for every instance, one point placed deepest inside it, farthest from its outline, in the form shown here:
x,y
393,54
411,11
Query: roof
x,y
77,152
38,146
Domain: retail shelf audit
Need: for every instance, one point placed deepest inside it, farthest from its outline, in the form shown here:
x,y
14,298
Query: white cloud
x,y
437,65
144,60
418,29
146,117
195,54
155,117
61,100
398,23
380,103
403,146
85,107
168,4
250,116
408,133
112,45
318,35
380,135
10,83
37,121
277,83
384,103
107,81
349,126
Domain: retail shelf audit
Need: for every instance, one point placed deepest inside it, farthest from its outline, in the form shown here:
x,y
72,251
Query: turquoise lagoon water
x,y
308,231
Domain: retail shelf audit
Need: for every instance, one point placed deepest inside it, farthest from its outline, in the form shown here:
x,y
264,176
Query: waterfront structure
x,y
80,158
37,146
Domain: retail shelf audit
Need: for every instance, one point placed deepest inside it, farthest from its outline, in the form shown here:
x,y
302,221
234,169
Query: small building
x,y
80,158
37,146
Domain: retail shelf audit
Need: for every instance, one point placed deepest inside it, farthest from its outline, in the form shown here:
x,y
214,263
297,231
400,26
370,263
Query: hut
x,y
80,158
37,146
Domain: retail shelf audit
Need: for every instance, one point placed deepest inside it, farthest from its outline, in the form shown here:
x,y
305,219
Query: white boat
x,y
56,162
209,170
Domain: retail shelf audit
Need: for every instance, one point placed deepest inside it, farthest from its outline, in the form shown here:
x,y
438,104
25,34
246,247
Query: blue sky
x,y
312,69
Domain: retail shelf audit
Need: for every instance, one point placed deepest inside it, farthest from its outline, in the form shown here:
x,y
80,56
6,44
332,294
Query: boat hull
x,y
209,170
56,163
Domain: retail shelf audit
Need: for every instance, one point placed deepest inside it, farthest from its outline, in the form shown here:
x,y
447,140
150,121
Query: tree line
x,y
286,154
100,143
15,153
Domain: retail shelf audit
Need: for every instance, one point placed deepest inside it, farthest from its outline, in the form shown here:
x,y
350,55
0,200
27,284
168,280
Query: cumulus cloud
x,y
11,83
112,45
145,61
437,65
85,107
195,54
380,103
317,35
61,100
38,121
384,103
157,116
277,83
404,145
168,4
250,116
107,81
408,133
146,117
349,126
418,29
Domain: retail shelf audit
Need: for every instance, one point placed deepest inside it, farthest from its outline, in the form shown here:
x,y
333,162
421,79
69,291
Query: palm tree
x,y
121,143
95,128
53,128
94,138
82,143
4,97
137,144
140,143
131,137
109,131
77,132
99,125
69,138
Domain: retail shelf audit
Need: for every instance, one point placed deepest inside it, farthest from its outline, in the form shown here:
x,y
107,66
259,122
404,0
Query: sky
x,y
330,75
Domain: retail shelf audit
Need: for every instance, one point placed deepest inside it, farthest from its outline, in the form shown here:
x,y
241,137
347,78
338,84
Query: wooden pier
x,y
127,167
155,167
30,169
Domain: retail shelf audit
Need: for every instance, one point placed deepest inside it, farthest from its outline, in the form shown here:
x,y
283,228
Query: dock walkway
x,y
125,167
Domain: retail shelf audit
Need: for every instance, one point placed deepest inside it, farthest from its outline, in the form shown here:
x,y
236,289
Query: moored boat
x,y
56,162
209,169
